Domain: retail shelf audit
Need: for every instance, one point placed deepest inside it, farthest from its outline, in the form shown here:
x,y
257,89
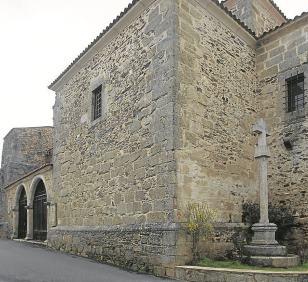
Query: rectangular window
x,y
296,93
97,102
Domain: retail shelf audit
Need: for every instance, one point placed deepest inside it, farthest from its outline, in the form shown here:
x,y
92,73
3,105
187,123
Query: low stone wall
x,y
205,274
146,249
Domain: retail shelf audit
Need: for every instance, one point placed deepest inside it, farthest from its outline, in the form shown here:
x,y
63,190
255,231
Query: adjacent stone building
x,y
25,150
157,112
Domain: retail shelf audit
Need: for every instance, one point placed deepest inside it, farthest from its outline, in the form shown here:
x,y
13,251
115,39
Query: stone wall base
x,y
149,249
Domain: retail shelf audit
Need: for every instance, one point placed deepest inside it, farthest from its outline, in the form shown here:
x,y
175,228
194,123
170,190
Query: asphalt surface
x,y
22,262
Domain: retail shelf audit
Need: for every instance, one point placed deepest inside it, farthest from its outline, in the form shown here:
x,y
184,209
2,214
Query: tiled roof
x,y
278,9
126,10
274,5
284,24
220,4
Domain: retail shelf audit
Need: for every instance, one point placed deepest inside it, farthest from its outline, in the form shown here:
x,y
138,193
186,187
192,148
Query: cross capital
x,y
261,147
260,127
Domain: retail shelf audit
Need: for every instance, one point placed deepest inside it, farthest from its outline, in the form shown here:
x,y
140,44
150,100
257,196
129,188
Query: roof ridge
x,y
303,14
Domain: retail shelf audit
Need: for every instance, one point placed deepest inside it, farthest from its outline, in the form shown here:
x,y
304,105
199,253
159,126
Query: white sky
x,y
40,38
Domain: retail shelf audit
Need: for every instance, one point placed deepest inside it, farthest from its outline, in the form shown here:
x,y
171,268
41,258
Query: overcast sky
x,y
39,38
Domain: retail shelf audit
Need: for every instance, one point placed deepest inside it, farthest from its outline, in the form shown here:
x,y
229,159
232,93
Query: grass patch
x,y
206,262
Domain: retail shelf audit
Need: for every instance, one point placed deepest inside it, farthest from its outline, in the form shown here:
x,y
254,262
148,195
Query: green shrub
x,y
282,216
200,219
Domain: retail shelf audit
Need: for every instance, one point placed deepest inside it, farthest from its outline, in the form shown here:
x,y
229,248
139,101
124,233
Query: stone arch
x,y
33,186
38,200
20,221
17,194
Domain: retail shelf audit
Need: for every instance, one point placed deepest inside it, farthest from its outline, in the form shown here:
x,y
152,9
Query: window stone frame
x,y
94,84
293,116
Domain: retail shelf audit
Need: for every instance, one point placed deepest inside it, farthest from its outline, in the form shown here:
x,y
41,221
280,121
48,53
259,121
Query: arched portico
x,y
25,195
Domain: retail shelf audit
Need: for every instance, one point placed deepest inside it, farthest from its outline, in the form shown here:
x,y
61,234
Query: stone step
x,y
280,262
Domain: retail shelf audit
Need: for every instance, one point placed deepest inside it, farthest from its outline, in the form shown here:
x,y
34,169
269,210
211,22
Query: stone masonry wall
x,y
120,171
259,15
280,56
25,149
215,158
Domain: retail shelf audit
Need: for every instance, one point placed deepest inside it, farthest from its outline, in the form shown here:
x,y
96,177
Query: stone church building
x,y
157,112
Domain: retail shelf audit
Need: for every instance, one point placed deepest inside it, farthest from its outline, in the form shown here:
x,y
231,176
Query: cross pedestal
x,y
264,249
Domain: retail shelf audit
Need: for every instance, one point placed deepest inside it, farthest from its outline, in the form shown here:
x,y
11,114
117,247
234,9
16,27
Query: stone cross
x,y
262,154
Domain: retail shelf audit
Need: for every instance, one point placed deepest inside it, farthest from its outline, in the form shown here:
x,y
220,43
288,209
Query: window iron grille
x,y
295,93
97,103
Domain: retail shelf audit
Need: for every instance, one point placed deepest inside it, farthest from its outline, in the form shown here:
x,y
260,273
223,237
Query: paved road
x,y
21,262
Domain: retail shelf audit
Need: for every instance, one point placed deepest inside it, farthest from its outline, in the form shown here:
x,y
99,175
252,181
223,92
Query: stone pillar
x,y
15,222
263,190
29,223
261,155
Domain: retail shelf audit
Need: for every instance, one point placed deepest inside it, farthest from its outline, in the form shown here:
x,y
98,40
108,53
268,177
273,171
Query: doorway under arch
x,y
22,214
40,212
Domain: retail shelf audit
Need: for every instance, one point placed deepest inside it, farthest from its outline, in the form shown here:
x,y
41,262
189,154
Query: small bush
x,y
200,219
239,240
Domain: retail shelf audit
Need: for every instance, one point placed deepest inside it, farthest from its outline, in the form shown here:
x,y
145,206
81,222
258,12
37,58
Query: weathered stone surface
x,y
215,163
